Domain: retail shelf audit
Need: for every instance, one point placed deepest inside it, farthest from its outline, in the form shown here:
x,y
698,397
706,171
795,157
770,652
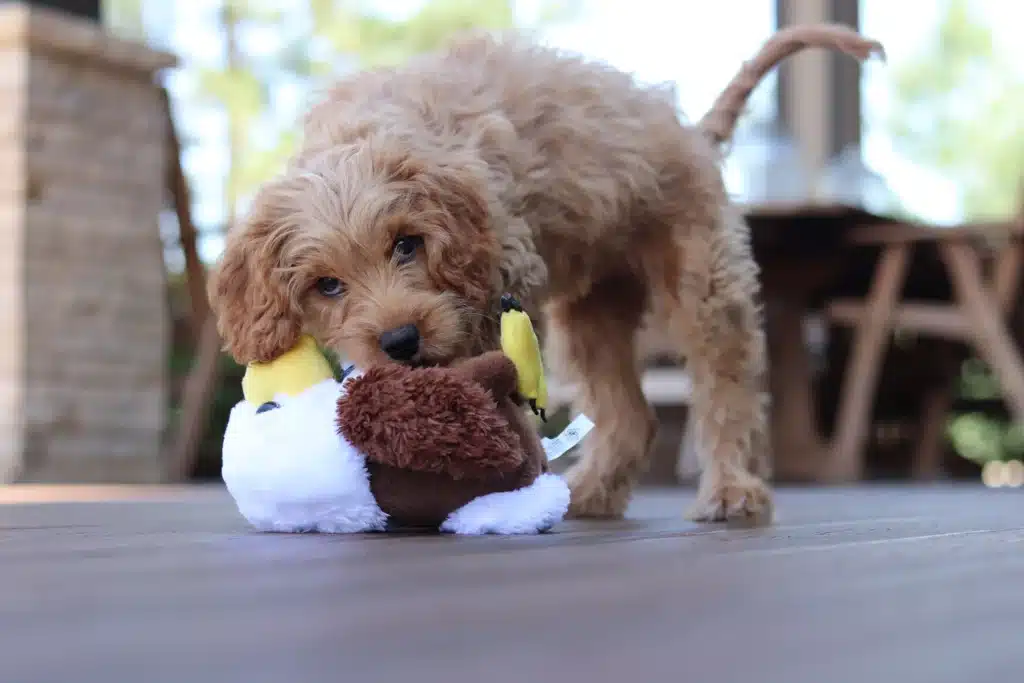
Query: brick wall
x,y
83,280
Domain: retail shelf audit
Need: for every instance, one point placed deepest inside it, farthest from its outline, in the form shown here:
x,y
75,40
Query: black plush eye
x,y
329,286
406,247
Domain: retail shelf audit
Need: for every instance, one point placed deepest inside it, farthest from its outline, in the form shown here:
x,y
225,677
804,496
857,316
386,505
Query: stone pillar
x,y
819,91
83,300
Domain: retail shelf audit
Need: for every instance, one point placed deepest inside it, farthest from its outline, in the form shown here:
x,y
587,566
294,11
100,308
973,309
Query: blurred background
x,y
137,130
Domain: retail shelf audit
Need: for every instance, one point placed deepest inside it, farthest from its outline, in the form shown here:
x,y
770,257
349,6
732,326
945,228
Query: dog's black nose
x,y
401,343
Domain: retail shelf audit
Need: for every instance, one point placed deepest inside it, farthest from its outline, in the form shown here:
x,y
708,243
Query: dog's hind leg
x,y
593,339
708,296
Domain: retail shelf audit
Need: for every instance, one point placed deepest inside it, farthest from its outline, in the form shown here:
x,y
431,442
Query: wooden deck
x,y
850,586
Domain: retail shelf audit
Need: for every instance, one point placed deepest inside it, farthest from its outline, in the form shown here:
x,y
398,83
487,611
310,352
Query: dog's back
x,y
567,141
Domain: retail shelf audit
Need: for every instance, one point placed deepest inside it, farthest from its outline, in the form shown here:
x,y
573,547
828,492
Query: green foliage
x,y
981,438
314,41
1013,442
229,393
977,383
339,35
957,109
353,29
976,437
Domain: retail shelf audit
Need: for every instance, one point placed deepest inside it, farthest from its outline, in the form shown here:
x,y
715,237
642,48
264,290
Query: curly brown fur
x,y
437,438
493,370
428,420
527,171
497,373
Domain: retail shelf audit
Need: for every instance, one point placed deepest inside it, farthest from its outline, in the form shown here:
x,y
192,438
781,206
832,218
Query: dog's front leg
x,y
594,340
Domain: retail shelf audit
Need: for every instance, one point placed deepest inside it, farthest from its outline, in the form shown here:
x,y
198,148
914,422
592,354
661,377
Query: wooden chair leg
x,y
927,459
797,448
187,234
992,340
853,422
1007,275
195,409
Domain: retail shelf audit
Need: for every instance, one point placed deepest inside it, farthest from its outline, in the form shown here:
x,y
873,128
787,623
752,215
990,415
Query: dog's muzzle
x,y
401,343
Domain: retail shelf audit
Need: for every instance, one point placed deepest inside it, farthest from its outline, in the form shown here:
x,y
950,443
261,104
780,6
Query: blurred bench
x,y
983,263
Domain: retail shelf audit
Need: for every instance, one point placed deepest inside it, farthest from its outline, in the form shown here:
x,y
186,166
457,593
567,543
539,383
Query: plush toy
x,y
395,446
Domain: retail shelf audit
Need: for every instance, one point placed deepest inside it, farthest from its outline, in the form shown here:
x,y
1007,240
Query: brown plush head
x,y
436,438
428,420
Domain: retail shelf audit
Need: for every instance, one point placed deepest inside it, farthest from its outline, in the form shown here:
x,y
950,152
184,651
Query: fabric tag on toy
x,y
570,436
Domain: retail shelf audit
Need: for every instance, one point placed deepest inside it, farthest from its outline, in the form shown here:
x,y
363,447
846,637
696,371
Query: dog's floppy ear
x,y
256,318
462,250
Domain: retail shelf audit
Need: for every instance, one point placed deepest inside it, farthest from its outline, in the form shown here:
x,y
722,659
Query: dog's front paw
x,y
591,499
736,496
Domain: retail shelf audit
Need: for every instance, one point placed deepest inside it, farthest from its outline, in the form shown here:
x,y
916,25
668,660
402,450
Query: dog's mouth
x,y
431,356
425,361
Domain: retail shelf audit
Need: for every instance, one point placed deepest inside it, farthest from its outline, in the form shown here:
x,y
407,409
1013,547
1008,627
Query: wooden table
x,y
916,585
803,251
976,316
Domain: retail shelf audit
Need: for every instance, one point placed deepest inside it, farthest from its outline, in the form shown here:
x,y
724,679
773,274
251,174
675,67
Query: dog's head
x,y
381,255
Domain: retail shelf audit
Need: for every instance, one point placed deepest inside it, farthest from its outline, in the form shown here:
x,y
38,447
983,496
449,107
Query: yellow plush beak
x,y
291,373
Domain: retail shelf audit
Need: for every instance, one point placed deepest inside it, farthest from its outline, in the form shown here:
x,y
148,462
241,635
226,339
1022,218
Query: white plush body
x,y
289,470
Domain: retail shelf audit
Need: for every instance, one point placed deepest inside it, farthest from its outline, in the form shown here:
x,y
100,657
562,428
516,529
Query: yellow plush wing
x,y
520,343
291,373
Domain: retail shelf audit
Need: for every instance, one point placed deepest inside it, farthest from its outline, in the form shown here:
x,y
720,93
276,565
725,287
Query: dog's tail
x,y
719,122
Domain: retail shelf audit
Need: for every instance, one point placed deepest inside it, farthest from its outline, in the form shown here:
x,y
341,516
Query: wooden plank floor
x,y
863,585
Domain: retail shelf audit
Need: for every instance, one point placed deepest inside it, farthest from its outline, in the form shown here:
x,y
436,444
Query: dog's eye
x,y
406,247
329,286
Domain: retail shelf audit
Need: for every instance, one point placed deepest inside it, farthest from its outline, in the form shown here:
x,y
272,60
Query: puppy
x,y
423,193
